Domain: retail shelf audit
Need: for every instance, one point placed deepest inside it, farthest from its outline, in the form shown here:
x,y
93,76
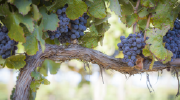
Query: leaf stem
x,y
131,3
147,25
135,11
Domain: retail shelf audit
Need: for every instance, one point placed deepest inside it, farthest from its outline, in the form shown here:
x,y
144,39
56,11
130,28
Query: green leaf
x,y
97,9
102,28
156,40
143,13
91,0
31,45
35,85
32,95
149,3
131,19
13,20
16,62
36,75
56,41
50,22
49,65
142,23
39,34
56,5
36,14
169,55
127,9
100,21
23,6
2,61
146,52
91,39
115,6
76,8
45,82
165,14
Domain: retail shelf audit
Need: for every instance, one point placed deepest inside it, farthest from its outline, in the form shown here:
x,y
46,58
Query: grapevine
x,y
46,31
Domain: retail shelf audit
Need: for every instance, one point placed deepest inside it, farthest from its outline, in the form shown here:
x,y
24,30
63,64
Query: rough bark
x,y
62,53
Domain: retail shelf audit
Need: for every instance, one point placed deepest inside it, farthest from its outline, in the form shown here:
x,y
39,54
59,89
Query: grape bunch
x,y
172,40
78,26
68,29
131,47
63,24
7,46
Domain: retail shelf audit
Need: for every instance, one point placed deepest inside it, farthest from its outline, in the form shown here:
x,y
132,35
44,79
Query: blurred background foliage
x,y
78,81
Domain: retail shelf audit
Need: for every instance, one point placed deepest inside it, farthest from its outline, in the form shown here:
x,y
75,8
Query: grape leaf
x,y
31,45
115,6
32,95
35,85
16,61
23,6
13,20
2,61
147,53
102,28
45,82
142,23
36,75
155,39
50,22
127,9
56,5
143,13
49,65
100,21
91,39
131,19
165,15
91,0
169,53
39,34
36,14
149,3
76,8
97,9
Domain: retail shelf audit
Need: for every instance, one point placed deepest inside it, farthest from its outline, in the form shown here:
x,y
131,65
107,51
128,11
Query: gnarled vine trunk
x,y
62,53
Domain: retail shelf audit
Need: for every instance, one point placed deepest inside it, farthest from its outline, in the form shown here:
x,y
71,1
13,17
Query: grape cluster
x,y
172,40
68,29
7,46
131,47
63,24
78,26
77,29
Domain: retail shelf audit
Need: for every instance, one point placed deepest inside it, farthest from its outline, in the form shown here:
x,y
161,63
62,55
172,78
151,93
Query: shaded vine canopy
x,y
30,21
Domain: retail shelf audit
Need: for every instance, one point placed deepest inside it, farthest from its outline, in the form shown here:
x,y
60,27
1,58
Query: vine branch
x,y
62,53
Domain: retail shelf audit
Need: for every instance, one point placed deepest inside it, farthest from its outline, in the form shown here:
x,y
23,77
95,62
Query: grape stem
x,y
135,11
147,25
131,4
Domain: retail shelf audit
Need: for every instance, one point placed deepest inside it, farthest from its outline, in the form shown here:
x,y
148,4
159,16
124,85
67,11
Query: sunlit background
x,y
75,81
